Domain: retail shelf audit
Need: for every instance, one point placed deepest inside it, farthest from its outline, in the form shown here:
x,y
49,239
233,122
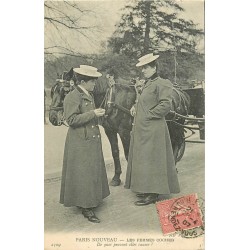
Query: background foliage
x,y
144,26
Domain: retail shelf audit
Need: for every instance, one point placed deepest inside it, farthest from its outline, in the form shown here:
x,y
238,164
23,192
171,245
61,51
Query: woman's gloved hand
x,y
132,111
99,112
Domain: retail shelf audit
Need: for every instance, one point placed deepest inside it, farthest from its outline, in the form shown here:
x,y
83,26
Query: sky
x,y
194,10
107,15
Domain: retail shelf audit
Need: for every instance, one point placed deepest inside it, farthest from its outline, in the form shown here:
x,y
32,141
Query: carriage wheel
x,y
181,151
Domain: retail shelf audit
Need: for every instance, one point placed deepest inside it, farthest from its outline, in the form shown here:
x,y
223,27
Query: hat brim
x,y
149,60
85,73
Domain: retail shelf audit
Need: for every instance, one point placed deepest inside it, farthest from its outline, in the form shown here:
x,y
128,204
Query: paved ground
x,y
117,213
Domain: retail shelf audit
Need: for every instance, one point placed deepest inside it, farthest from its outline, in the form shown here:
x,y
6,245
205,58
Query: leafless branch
x,y
71,16
63,53
67,51
64,15
68,26
73,5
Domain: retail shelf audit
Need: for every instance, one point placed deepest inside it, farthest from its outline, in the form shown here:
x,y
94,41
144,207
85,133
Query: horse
x,y
118,99
57,94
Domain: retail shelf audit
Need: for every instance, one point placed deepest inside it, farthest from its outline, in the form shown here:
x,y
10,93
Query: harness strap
x,y
184,126
56,108
104,99
122,108
187,118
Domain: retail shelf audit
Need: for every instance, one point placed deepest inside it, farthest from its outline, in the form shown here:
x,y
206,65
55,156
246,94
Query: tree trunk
x,y
146,44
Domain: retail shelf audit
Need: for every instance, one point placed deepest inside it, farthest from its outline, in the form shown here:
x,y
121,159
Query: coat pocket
x,y
85,132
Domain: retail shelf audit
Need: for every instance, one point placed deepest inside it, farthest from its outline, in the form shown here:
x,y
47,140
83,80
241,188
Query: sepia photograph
x,y
124,124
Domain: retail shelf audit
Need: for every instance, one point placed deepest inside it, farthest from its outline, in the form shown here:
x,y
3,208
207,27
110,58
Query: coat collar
x,y
153,78
83,94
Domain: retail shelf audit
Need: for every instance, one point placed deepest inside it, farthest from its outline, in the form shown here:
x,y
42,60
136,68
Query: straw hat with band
x,y
146,59
87,71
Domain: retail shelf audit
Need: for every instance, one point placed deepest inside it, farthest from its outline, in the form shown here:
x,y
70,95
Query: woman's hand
x,y
99,112
132,111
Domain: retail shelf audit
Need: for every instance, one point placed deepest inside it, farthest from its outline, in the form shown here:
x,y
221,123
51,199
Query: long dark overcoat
x,y
151,165
84,179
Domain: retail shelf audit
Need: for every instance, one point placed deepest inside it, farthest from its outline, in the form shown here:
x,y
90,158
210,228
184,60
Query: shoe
x,y
141,195
149,199
90,215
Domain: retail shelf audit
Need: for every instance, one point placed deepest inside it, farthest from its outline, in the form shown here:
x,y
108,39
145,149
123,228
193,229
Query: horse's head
x,y
108,94
100,90
62,87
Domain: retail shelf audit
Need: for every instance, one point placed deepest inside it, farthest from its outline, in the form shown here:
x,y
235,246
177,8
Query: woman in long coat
x,y
84,179
151,167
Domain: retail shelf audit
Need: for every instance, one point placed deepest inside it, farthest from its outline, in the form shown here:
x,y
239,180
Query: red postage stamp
x,y
179,214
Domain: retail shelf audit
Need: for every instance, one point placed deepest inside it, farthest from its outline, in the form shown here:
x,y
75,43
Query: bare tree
x,y
70,28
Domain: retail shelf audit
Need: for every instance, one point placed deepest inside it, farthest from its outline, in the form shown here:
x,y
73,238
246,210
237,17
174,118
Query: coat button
x,y
98,136
86,104
93,136
92,126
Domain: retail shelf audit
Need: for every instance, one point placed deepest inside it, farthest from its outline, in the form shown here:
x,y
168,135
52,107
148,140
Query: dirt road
x,y
117,213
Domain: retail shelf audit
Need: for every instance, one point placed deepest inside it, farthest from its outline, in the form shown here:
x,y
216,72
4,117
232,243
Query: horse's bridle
x,y
66,89
109,100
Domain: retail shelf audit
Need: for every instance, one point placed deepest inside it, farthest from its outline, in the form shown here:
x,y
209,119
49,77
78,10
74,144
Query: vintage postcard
x,y
124,124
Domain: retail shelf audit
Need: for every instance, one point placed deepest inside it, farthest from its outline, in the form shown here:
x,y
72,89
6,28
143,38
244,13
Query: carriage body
x,y
197,109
